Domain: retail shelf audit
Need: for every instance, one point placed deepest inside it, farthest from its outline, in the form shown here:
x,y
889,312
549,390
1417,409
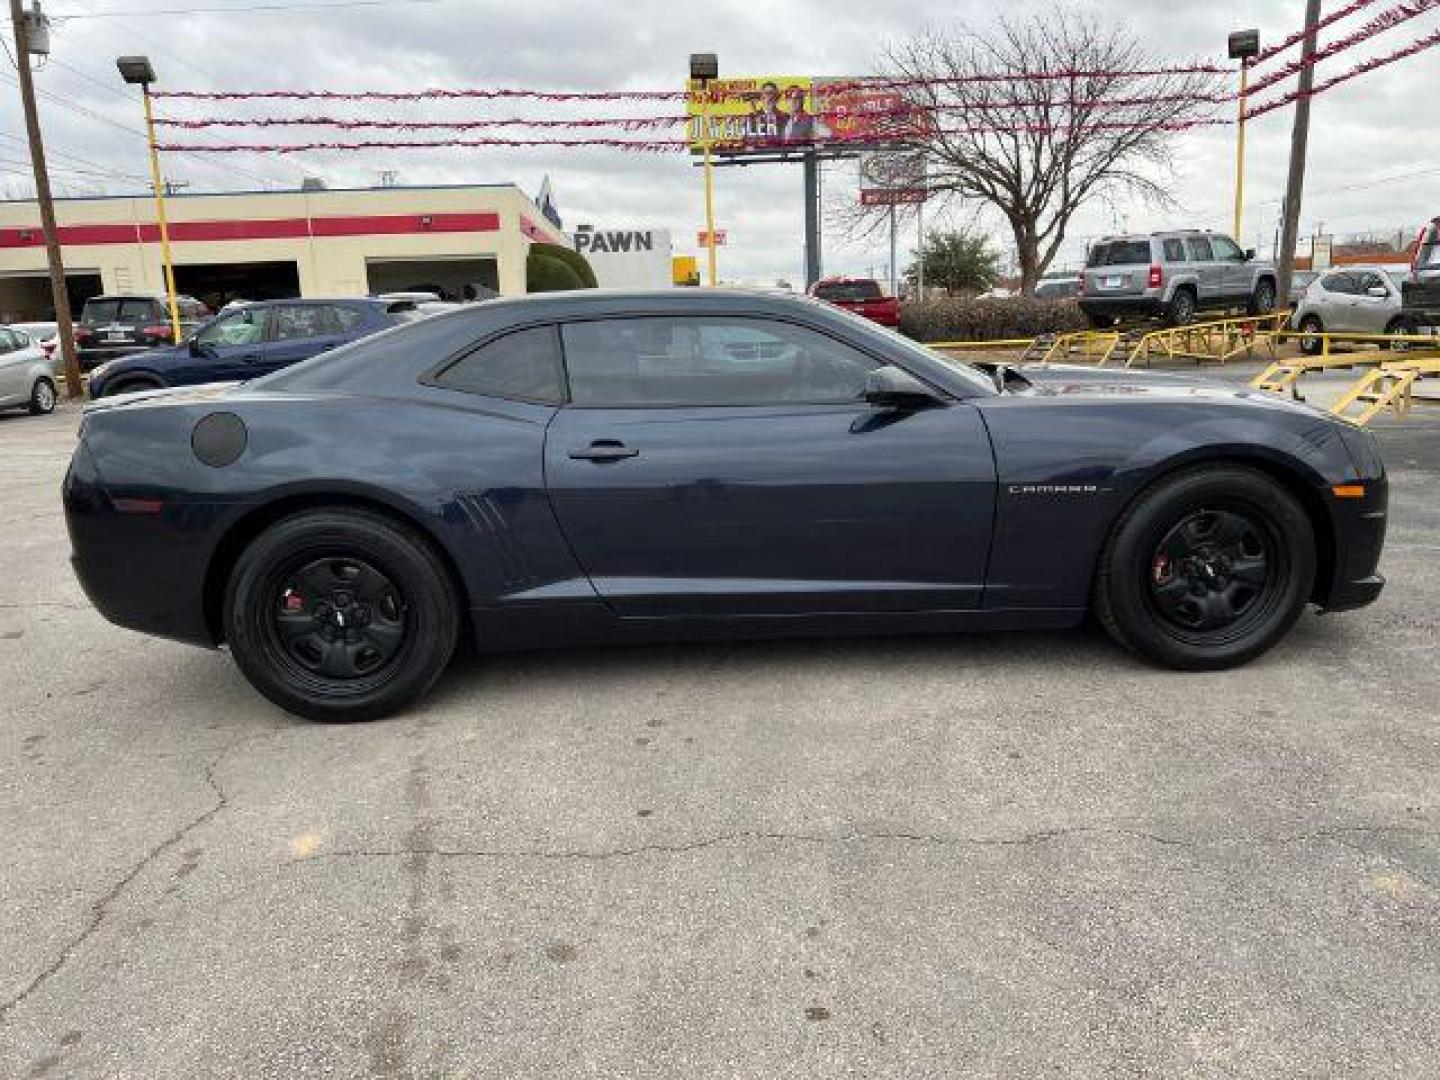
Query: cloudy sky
x,y
1368,172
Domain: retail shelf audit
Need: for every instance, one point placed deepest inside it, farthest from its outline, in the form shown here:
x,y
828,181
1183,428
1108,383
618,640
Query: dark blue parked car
x,y
608,467
250,341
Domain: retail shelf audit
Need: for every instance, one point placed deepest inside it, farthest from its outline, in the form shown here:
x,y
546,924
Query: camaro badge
x,y
1054,489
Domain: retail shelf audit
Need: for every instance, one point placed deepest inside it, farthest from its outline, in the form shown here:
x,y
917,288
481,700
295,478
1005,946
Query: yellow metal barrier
x,y
1282,376
1217,342
967,346
1096,346
1390,386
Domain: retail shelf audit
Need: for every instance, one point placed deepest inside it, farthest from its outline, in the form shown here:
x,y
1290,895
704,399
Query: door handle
x,y
603,450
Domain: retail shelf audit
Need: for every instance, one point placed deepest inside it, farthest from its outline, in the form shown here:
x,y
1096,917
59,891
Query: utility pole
x,y
1299,140
58,289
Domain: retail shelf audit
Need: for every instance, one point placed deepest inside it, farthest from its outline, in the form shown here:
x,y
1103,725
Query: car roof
x,y
622,301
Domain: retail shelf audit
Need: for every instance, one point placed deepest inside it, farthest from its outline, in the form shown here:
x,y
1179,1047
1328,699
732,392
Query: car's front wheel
x,y
341,614
1311,344
1262,300
42,397
1208,569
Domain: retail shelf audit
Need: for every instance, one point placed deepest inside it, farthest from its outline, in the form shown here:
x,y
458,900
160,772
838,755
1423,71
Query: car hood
x,y
1125,384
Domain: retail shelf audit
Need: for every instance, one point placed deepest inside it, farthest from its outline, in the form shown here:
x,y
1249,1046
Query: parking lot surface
x,y
1006,855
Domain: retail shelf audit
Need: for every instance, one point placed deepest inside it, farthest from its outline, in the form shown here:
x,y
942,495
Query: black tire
x,y
1262,300
1098,321
1312,346
42,397
1401,324
1164,618
286,608
1181,309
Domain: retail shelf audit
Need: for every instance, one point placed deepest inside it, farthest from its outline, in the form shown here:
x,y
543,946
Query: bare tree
x,y
1038,149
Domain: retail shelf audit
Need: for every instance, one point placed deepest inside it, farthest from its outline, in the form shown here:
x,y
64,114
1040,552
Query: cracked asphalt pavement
x,y
1007,855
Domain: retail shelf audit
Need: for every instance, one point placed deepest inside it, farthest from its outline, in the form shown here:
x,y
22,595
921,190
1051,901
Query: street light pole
x,y
705,67
59,291
136,71
1244,46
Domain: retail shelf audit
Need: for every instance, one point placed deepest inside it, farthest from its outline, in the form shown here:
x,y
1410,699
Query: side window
x,y
244,327
1174,251
1197,249
1226,250
345,319
523,366
1345,284
708,361
294,322
8,342
1370,281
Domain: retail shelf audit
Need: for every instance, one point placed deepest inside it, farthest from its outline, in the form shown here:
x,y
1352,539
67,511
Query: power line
x,y
316,5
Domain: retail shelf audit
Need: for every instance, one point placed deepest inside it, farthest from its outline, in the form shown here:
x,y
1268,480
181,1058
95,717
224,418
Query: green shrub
x,y
967,319
577,262
545,273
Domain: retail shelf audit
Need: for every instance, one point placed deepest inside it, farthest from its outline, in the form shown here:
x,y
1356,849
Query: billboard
x,y
744,116
892,177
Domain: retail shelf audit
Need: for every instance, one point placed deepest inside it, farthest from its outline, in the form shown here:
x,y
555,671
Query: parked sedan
x,y
1353,300
611,467
250,341
27,377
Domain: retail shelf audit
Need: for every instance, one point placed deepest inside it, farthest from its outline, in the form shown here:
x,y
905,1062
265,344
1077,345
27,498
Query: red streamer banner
x,y
1429,41
639,146
437,94
634,123
1299,35
1378,25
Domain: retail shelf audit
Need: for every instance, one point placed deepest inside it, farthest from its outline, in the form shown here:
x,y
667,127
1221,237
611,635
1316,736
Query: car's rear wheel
x,y
1262,300
1181,310
1310,343
1208,569
341,614
42,397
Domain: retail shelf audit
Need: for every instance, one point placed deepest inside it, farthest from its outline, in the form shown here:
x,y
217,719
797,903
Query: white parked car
x,y
27,376
44,334
1349,300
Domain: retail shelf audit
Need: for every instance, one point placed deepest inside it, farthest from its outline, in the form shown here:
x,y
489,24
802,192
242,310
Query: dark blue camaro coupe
x,y
604,467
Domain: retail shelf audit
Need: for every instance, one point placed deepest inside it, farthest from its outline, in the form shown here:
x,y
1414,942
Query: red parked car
x,y
864,296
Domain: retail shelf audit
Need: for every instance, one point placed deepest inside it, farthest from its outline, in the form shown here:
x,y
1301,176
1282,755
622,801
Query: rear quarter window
x,y
521,366
1174,251
1119,253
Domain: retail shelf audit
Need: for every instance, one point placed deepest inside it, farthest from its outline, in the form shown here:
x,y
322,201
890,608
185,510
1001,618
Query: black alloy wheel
x,y
1207,568
341,614
1213,571
339,618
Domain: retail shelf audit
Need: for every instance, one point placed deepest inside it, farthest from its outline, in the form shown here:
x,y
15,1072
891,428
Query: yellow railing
x,y
1217,341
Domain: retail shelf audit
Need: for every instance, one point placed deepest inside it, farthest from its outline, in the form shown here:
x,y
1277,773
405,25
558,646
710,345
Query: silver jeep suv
x,y
1171,276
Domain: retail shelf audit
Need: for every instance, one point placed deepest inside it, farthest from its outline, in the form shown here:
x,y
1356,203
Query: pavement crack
x,y
101,908
1043,836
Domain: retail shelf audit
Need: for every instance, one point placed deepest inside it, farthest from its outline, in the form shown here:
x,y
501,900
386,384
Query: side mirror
x,y
196,349
894,388
1249,254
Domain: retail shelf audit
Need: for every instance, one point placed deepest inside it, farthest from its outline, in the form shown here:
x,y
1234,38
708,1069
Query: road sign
x,y
703,238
